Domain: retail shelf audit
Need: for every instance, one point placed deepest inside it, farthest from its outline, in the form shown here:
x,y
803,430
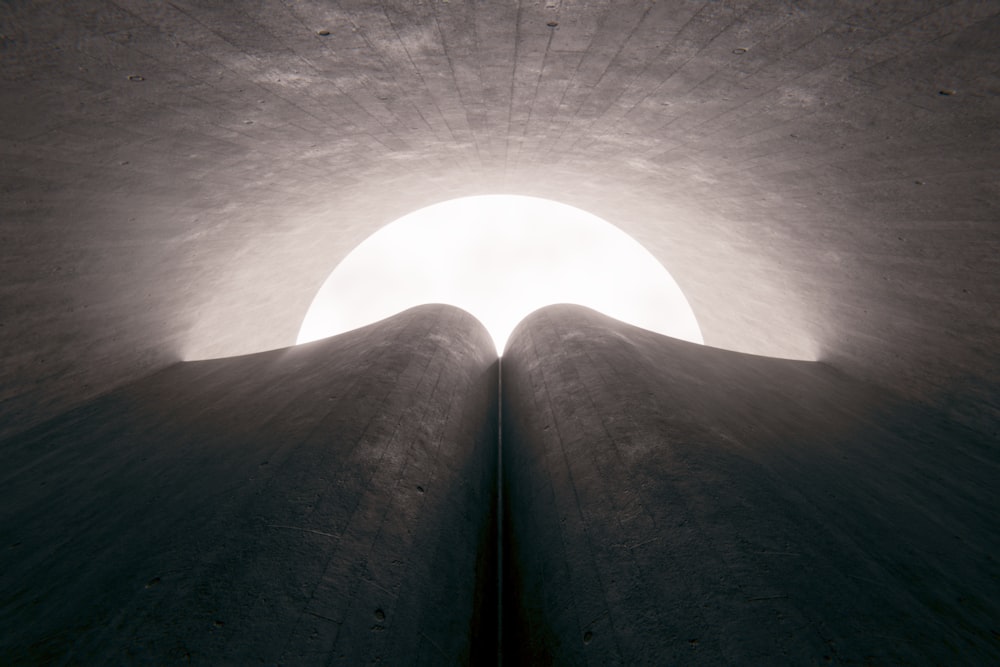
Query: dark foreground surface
x,y
326,503
669,503
665,503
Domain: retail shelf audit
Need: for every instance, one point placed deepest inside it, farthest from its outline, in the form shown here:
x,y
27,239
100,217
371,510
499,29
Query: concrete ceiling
x,y
179,178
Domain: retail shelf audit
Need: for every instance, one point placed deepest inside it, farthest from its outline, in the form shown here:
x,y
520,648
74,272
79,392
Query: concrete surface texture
x,y
327,503
337,503
671,504
177,179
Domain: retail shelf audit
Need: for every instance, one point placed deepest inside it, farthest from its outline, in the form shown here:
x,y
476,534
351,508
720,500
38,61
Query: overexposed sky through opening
x,y
500,257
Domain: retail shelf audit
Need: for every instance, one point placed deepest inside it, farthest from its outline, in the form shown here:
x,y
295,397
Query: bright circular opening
x,y
500,257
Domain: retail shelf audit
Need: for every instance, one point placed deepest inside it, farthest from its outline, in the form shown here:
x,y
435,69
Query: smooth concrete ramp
x,y
673,504
326,503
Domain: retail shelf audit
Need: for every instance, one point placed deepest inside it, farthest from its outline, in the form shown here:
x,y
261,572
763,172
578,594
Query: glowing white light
x,y
500,257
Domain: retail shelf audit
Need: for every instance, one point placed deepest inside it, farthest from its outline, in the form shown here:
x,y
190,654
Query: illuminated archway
x,y
500,257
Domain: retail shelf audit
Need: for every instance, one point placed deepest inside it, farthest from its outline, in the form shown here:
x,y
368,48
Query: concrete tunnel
x,y
178,180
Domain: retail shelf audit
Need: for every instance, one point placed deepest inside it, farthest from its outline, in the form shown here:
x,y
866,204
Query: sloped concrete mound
x,y
656,502
331,501
668,503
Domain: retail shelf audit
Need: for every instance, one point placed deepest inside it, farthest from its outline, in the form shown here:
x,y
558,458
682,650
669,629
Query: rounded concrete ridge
x,y
281,507
671,503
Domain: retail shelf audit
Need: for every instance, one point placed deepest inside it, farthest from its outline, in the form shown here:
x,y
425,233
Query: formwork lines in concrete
x,y
319,432
533,376
534,97
656,90
314,439
389,130
388,441
585,131
242,76
182,93
513,84
458,88
638,92
576,497
384,59
482,83
640,97
632,486
423,81
840,64
549,145
394,594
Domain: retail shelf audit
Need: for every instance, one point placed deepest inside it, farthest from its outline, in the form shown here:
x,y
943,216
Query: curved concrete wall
x,y
177,179
330,501
667,503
